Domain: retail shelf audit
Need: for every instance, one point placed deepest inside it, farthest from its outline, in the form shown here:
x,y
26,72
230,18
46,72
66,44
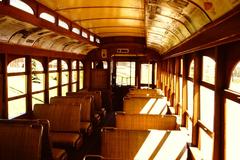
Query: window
x,y
146,74
53,78
38,82
208,72
232,118
74,76
191,69
47,17
232,130
84,34
81,75
65,77
16,91
91,38
235,79
125,74
98,40
21,5
105,65
76,30
63,24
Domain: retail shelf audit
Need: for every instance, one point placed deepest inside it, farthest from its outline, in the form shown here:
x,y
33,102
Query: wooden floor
x,y
92,143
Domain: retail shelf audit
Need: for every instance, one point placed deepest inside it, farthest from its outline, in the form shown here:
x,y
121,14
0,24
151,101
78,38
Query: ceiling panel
x,y
164,23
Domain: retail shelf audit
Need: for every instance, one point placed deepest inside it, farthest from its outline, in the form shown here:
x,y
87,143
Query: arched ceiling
x,y
22,33
164,23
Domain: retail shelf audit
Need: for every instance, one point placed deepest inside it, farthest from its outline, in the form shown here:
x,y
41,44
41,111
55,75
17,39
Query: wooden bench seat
x,y
47,151
20,141
145,122
136,144
145,105
86,103
98,106
64,120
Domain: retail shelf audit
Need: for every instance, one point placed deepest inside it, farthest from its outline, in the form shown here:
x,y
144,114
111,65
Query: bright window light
x,y
63,24
91,38
97,40
84,34
235,79
148,106
22,6
47,17
76,30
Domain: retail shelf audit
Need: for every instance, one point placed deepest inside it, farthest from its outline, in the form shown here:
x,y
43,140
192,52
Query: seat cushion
x,y
59,154
63,139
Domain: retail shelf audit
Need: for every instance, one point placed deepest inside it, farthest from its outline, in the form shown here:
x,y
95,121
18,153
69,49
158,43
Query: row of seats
x,y
28,140
143,130
63,124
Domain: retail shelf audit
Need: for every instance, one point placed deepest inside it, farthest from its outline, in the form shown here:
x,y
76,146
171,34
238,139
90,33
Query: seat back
x,y
62,118
20,141
145,122
86,103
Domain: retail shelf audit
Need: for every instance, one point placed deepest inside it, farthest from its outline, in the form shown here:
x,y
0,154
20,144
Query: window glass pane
x,y
208,74
146,73
180,90
191,69
125,73
53,93
53,79
16,66
206,143
63,24
84,34
235,79
37,99
74,87
74,65
64,65
232,130
16,107
65,77
207,107
47,17
132,73
76,30
97,40
52,65
81,79
37,82
80,65
105,65
189,128
21,5
64,90
181,67
190,97
74,76
16,89
155,74
36,65
91,38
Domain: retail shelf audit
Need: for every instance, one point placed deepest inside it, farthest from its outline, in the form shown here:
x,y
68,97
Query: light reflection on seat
x,y
159,106
148,106
163,145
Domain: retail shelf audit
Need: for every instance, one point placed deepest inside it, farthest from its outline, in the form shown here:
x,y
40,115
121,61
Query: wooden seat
x,y
145,105
63,119
98,107
47,151
136,144
20,141
86,109
144,122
